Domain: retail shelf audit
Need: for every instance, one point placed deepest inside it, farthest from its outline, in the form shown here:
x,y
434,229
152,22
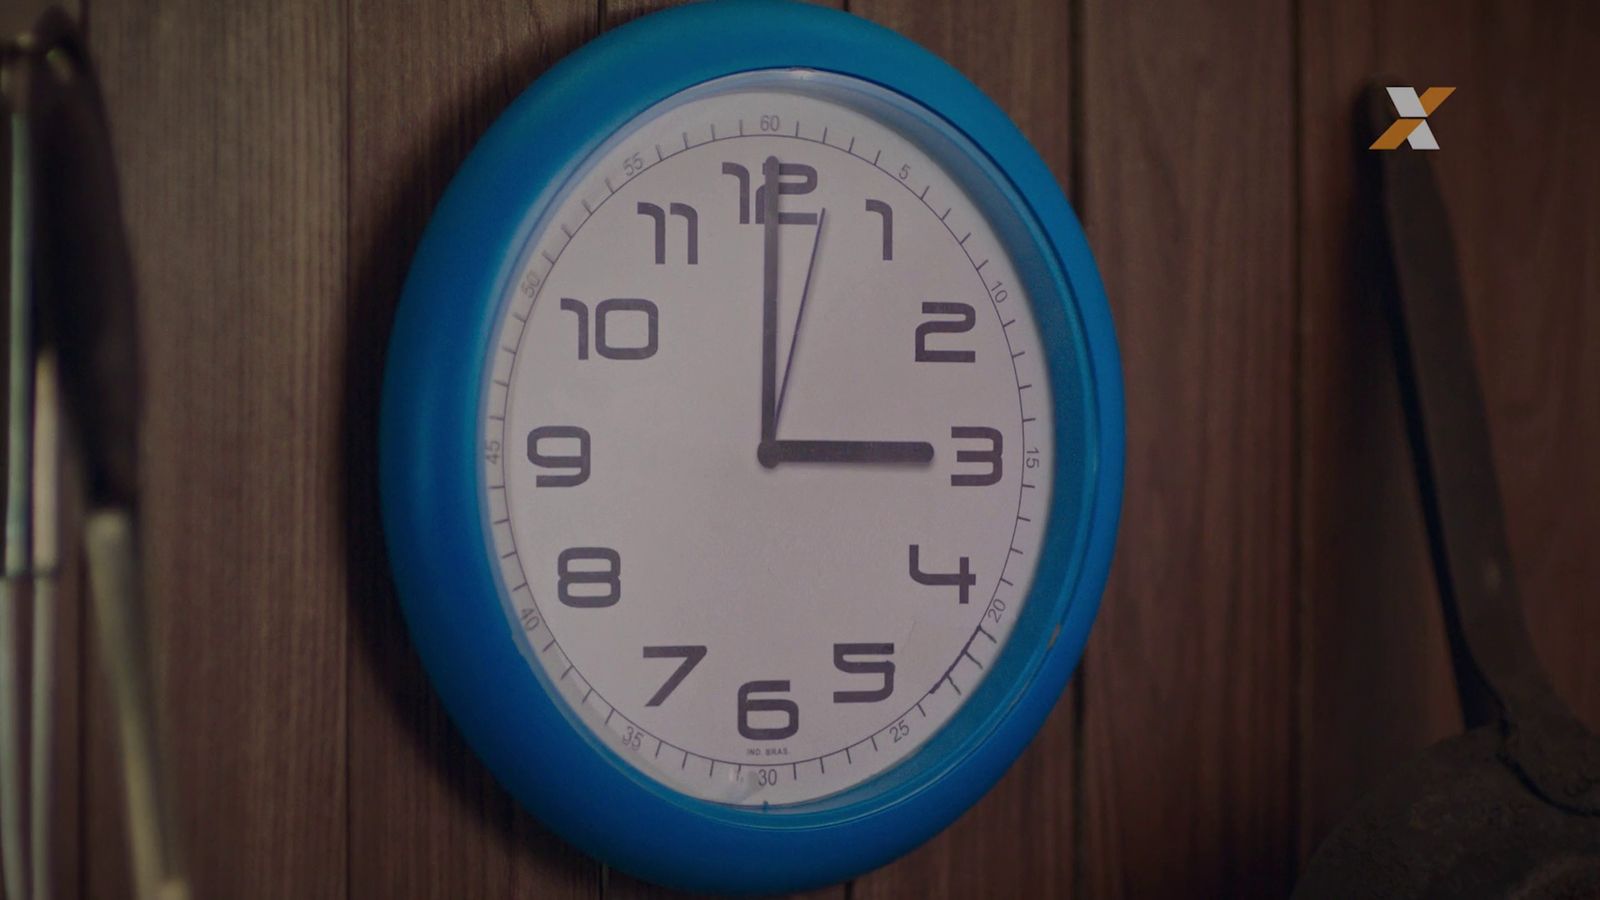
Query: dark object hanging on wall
x,y
1511,808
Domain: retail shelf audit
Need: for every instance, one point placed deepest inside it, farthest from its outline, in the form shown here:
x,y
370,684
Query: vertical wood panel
x,y
1189,696
228,121
618,884
426,819
1517,174
72,668
1376,668
617,12
1018,840
1524,192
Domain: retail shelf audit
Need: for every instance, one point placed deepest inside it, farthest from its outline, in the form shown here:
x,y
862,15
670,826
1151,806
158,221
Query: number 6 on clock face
x,y
794,457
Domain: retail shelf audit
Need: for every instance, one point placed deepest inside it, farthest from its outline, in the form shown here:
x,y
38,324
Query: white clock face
x,y
766,493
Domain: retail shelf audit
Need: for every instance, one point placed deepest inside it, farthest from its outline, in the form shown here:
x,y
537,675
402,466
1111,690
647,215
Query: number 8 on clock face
x,y
794,448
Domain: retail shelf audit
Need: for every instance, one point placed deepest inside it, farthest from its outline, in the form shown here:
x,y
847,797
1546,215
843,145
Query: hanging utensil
x,y
72,318
1511,807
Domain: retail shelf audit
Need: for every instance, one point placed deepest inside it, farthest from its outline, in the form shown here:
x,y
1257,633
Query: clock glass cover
x,y
768,436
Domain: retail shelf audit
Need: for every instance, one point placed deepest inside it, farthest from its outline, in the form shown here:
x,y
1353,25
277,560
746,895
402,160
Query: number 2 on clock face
x,y
768,442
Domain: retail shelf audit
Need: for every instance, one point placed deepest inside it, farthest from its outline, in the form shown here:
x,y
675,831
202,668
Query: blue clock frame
x,y
429,462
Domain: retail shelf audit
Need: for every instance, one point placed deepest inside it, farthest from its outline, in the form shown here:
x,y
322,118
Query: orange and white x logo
x,y
1412,126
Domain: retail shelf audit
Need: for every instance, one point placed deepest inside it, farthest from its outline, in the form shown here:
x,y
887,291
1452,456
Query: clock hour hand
x,y
771,453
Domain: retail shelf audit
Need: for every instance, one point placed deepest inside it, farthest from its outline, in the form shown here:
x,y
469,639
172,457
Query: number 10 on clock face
x,y
767,440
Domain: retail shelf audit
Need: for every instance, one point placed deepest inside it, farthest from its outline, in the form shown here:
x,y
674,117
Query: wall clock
x,y
751,446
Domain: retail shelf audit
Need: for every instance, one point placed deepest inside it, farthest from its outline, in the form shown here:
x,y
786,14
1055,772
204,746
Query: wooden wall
x,y
1268,646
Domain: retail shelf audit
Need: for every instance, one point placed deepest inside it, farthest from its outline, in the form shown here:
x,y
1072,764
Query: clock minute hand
x,y
769,302
771,453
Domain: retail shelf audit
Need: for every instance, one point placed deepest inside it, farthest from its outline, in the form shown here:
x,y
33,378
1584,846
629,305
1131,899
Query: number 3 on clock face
x,y
795,445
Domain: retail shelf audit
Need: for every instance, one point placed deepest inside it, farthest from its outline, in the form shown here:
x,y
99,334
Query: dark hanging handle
x,y
84,275
1498,674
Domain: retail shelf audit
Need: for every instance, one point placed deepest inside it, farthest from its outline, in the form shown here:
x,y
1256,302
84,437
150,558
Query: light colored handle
x,y
46,567
116,582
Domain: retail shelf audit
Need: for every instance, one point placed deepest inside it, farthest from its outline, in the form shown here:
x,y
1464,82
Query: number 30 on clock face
x,y
751,446
768,442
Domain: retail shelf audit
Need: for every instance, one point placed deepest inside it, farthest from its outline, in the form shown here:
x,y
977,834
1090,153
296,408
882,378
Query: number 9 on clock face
x,y
768,438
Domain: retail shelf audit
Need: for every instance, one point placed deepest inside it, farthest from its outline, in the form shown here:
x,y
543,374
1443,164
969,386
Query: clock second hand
x,y
772,451
805,294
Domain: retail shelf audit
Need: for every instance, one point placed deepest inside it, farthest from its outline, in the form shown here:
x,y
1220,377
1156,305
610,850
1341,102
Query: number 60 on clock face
x,y
752,446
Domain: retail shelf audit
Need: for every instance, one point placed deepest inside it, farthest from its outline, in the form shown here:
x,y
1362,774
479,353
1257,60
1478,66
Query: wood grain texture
x,y
1188,171
618,12
1269,645
425,818
73,669
1376,675
1019,840
1517,175
1523,190
228,122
